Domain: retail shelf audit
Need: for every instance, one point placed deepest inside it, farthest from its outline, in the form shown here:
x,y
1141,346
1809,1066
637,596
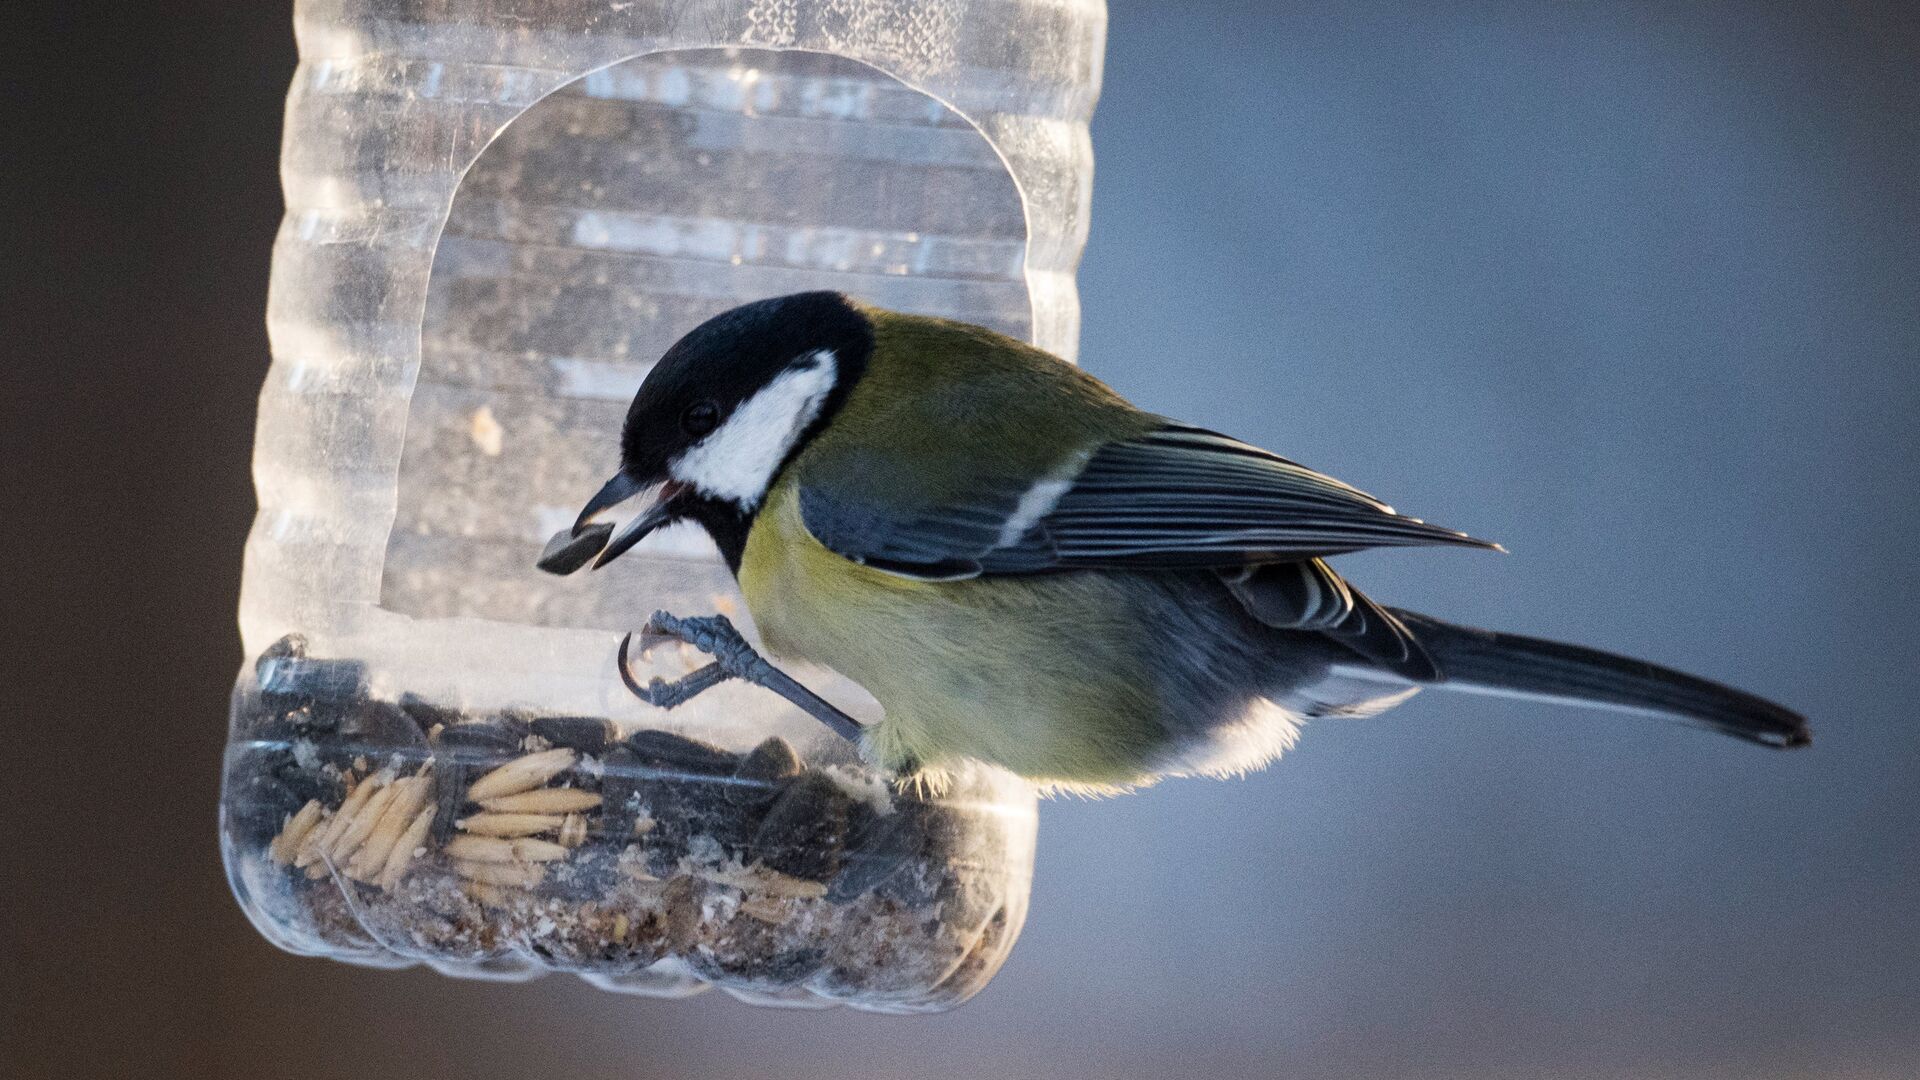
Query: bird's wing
x,y
1171,497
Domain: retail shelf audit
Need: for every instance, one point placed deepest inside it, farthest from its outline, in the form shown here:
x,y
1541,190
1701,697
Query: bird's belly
x,y
1047,675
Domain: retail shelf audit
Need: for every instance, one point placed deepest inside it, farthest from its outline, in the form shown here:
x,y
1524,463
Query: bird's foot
x,y
733,658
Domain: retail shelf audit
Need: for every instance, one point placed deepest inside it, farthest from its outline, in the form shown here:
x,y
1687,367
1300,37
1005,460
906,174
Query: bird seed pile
x,y
397,832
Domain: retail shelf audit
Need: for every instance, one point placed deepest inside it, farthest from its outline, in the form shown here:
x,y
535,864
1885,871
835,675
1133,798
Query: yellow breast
x,y
1038,674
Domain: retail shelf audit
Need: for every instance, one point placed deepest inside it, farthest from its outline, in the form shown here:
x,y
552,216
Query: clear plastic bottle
x,y
499,212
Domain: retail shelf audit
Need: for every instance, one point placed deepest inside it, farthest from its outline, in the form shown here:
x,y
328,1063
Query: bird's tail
x,y
1482,661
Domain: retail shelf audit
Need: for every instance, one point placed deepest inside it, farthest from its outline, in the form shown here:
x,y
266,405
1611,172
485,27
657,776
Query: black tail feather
x,y
1532,667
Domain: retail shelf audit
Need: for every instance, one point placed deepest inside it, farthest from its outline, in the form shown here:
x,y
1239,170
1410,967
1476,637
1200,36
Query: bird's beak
x,y
618,490
611,494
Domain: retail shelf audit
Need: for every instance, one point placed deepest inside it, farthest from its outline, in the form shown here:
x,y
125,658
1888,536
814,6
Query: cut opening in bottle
x,y
456,776
612,217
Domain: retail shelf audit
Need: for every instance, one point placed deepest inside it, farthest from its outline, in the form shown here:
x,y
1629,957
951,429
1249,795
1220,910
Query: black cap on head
x,y
725,360
696,387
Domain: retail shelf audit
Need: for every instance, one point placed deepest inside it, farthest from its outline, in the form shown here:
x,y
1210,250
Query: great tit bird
x,y
1025,569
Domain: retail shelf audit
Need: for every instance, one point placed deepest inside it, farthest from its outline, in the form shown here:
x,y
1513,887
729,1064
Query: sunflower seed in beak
x,y
567,552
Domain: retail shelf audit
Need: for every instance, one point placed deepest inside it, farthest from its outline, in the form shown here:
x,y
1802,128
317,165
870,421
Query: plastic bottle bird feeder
x,y
499,213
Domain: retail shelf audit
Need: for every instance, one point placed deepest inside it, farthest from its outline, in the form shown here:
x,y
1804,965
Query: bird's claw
x,y
714,635
658,691
733,658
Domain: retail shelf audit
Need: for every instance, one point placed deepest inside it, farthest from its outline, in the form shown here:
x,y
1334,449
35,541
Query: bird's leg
x,y
733,658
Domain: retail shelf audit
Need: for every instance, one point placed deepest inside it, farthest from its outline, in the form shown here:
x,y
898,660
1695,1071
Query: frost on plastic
x,y
496,219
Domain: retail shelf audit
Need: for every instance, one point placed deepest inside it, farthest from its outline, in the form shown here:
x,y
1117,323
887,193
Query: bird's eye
x,y
700,418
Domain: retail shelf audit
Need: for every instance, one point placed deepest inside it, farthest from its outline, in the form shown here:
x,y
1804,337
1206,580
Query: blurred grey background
x,y
1633,288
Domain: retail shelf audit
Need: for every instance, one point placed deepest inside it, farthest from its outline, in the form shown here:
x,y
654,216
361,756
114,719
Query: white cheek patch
x,y
737,461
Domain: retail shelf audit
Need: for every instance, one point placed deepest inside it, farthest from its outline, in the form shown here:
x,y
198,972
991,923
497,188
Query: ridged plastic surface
x,y
498,214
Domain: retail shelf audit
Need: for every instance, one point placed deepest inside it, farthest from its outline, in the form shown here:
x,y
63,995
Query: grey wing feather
x,y
940,545
1292,596
1308,595
1187,497
1176,497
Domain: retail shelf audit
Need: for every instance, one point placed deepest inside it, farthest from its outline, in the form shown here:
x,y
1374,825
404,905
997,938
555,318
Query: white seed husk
x,y
761,879
765,908
324,839
494,849
490,895
284,846
523,875
521,774
533,850
510,824
356,833
480,849
409,795
406,848
543,801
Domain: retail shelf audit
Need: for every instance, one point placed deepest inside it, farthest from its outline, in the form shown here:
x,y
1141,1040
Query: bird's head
x,y
726,407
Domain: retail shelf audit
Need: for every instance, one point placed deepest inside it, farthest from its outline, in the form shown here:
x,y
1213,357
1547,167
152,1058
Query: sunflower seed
x,y
566,552
665,751
805,832
587,734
